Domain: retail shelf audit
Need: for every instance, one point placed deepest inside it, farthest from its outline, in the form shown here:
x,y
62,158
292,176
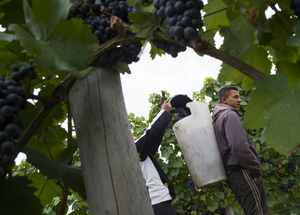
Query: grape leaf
x,y
166,152
17,192
145,21
6,57
71,176
238,36
14,13
59,45
295,39
5,39
217,19
291,70
271,201
256,57
51,140
282,52
123,68
275,106
155,51
47,189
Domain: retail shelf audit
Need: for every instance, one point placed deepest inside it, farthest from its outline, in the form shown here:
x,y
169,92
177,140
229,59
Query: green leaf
x,y
291,70
122,68
271,201
262,23
47,189
5,39
155,51
238,36
213,205
295,39
282,52
14,13
6,57
58,44
71,176
283,197
264,166
18,197
263,38
145,21
166,152
256,57
275,106
217,19
50,141
77,213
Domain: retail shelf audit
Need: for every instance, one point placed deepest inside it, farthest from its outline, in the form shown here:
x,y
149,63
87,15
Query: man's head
x,y
229,95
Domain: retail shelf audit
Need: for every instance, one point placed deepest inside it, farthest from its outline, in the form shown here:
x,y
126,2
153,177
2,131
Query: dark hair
x,y
225,91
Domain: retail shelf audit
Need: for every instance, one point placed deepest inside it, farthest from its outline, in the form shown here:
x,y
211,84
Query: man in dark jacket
x,y
160,188
240,158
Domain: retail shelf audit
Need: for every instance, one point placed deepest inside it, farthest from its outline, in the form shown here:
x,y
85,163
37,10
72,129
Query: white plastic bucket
x,y
196,137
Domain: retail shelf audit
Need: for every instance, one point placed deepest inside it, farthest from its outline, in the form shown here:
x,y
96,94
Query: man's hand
x,y
258,180
166,106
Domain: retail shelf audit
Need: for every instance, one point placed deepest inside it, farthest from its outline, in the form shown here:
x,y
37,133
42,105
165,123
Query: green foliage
x,y
275,112
17,190
39,29
43,36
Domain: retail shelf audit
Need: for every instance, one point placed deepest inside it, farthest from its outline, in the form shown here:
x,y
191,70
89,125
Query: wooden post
x,y
112,176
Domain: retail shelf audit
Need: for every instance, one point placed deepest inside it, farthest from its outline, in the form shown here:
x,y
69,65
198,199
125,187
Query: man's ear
x,y
224,100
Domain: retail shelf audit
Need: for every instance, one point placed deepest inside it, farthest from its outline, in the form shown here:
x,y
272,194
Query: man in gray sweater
x,y
239,156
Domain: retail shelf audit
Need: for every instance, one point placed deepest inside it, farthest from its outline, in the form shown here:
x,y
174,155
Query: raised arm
x,y
151,139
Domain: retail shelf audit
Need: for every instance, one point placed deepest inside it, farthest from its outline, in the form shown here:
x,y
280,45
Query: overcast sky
x,y
181,75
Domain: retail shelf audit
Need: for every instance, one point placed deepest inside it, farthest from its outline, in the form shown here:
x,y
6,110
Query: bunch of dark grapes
x,y
13,98
272,163
221,211
101,27
291,165
284,187
207,212
190,184
124,54
219,188
171,48
119,9
79,11
181,113
184,18
19,73
295,6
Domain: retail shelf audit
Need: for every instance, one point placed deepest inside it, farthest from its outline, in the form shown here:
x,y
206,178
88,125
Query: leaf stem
x,y
48,149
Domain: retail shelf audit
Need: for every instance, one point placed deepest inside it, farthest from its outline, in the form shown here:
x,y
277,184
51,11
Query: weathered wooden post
x,y
112,175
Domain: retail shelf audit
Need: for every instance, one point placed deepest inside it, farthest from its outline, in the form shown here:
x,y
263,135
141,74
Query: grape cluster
x,y
79,11
284,187
171,48
19,73
13,98
295,6
219,188
181,113
272,163
101,27
124,54
190,184
119,9
291,165
183,16
97,18
221,211
207,212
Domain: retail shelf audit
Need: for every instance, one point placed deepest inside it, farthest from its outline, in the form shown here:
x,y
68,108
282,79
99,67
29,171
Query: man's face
x,y
233,99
